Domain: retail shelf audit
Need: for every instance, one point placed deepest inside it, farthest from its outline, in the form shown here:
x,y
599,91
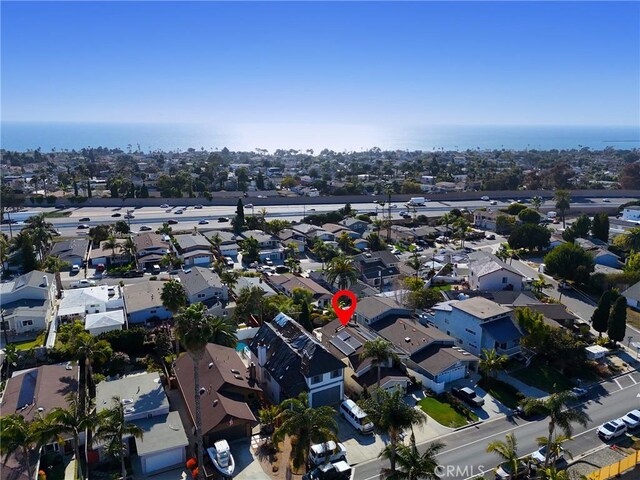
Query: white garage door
x,y
158,461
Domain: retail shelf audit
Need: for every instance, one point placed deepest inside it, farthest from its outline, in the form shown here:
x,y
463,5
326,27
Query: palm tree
x,y
507,451
216,241
305,425
391,415
629,240
251,250
230,279
345,242
194,328
223,331
320,250
4,248
113,429
128,248
563,203
447,219
491,362
87,349
41,233
293,263
380,351
72,420
555,407
340,269
18,435
414,261
536,201
552,473
461,225
268,417
413,465
173,296
111,243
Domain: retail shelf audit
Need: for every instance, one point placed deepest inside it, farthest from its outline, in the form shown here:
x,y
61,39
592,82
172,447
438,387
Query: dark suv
x,y
468,396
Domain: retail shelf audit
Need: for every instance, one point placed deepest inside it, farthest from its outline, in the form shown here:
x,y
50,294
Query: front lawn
x,y
544,378
443,413
441,288
506,394
28,345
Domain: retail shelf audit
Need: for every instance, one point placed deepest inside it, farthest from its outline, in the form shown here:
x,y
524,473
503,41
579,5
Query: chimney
x,y
262,354
252,371
45,281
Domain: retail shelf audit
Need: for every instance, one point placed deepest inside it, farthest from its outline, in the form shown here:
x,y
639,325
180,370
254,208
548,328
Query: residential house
x,y
598,251
77,303
346,342
632,294
203,285
229,390
97,323
377,268
487,219
143,302
265,241
164,441
250,282
150,248
27,302
107,256
372,309
73,252
337,230
193,249
429,354
360,288
228,242
288,236
31,393
289,360
488,272
354,224
477,323
287,282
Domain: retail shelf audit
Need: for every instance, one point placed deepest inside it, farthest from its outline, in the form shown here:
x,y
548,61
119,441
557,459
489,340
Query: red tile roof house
x,y
32,392
228,387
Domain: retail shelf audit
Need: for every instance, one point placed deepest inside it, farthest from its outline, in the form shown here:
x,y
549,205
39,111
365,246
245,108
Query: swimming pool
x,y
240,346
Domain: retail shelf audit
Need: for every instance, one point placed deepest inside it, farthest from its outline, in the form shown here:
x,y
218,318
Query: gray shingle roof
x,y
633,292
197,279
70,248
483,263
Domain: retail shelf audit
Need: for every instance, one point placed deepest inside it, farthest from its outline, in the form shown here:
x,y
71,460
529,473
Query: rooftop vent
x,y
215,402
233,370
127,401
210,365
202,390
239,377
407,339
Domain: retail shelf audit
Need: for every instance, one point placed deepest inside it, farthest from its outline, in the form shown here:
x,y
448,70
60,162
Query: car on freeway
x,y
223,219
632,419
393,205
164,205
606,200
262,196
198,207
85,219
540,455
493,202
203,222
145,228
179,212
468,395
129,215
485,198
171,221
84,226
612,429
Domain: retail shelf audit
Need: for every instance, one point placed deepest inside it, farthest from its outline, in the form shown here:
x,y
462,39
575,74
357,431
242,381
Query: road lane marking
x,y
633,379
618,383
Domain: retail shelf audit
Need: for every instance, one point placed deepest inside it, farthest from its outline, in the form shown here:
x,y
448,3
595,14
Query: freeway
x,y
465,456
153,217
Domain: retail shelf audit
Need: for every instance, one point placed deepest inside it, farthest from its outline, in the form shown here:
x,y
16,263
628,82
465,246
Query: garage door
x,y
330,396
158,461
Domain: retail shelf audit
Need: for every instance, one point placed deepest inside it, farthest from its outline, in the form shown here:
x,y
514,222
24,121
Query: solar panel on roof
x,y
345,348
299,342
28,389
348,339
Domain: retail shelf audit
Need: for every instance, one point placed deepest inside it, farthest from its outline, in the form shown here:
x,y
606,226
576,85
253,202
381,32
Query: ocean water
x,y
48,136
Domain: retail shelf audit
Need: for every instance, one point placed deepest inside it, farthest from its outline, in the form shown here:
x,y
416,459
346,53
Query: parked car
x,y
327,452
75,269
145,228
504,471
83,283
330,471
632,419
133,273
172,221
540,454
612,429
116,215
229,261
485,198
490,236
468,396
579,392
100,267
269,262
223,219
203,222
85,219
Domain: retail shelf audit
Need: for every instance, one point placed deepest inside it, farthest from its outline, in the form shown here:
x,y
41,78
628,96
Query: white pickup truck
x,y
83,283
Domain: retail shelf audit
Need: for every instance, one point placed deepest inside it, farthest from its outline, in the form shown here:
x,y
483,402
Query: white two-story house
x,y
28,302
477,323
289,360
487,272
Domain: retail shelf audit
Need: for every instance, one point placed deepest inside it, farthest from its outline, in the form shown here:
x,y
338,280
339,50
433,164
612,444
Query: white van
x,y
155,269
356,416
552,215
327,452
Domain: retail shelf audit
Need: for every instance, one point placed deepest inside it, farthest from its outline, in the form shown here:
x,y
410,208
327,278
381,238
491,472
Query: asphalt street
x,y
465,456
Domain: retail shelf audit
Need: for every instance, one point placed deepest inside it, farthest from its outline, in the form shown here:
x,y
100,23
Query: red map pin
x,y
344,314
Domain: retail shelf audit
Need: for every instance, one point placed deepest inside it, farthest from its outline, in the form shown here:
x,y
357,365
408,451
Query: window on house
x,y
316,379
446,320
469,331
504,279
335,374
201,295
152,311
27,323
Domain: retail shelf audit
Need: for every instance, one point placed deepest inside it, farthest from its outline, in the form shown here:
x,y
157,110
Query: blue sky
x,y
378,63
